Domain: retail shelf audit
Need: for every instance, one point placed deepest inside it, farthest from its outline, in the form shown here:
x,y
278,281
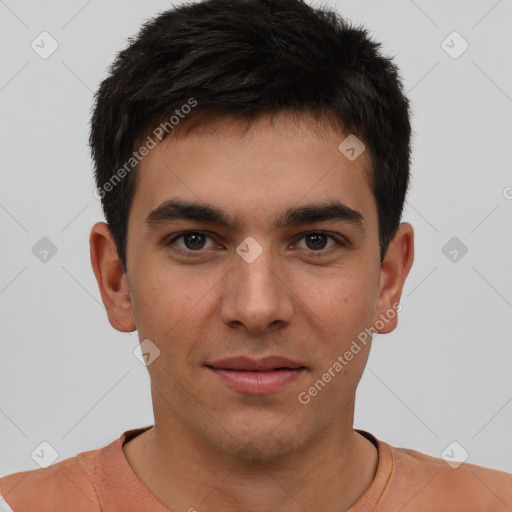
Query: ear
x,y
394,270
111,278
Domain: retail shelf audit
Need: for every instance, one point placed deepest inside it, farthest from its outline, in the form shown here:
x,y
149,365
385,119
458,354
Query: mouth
x,y
257,376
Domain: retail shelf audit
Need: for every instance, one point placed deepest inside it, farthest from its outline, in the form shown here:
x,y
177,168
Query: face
x,y
228,303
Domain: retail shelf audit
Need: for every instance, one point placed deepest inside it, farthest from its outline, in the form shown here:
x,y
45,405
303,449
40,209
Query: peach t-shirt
x,y
406,481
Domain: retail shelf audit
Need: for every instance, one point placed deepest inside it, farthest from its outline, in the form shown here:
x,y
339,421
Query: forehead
x,y
254,172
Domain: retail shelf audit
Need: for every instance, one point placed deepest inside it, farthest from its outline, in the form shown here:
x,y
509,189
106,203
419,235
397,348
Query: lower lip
x,y
258,383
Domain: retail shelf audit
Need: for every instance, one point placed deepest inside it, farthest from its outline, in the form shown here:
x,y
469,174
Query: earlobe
x,y
111,278
394,271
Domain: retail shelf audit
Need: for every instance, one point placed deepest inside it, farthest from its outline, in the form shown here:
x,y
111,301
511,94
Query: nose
x,y
256,296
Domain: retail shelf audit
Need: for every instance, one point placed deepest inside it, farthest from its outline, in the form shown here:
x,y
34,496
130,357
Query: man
x,y
252,158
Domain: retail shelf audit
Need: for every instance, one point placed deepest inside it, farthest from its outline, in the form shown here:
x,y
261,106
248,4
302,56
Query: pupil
x,y
193,239
317,237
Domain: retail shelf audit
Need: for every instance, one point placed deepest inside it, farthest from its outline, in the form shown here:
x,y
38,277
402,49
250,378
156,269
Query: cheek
x,y
342,350
344,303
175,313
162,305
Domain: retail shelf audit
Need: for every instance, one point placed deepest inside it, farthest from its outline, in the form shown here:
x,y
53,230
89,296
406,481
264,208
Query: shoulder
x,y
63,486
424,482
88,481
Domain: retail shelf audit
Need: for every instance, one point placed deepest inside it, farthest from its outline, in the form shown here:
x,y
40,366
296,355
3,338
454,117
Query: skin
x,y
211,447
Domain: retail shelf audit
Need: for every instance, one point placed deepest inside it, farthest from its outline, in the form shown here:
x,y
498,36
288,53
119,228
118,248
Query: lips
x,y
257,376
269,363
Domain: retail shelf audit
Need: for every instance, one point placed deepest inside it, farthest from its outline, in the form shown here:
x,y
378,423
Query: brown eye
x,y
317,241
194,240
190,242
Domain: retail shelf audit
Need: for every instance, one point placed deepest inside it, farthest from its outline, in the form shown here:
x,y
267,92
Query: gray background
x,y
68,378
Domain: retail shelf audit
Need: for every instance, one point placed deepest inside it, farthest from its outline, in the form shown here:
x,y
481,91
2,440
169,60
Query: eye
x,y
315,242
192,242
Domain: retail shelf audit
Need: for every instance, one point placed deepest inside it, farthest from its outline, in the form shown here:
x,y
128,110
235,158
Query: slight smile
x,y
257,376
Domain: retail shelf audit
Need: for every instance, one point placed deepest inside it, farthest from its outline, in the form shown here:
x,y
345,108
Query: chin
x,y
264,449
263,442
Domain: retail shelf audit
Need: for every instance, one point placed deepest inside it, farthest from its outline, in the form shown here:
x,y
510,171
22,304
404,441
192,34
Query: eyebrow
x,y
179,209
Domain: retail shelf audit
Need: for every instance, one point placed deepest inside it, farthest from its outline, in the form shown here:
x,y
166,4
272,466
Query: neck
x,y
331,473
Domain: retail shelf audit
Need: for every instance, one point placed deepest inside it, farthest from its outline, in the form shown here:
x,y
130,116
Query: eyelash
x,y
198,253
